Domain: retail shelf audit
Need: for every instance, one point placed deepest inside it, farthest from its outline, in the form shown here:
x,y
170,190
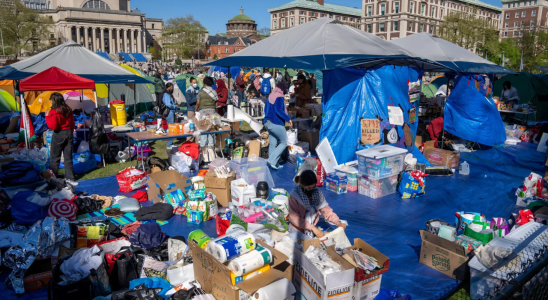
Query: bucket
x,y
281,202
118,112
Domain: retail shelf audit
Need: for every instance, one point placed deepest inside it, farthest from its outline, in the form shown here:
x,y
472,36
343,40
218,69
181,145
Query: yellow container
x,y
118,112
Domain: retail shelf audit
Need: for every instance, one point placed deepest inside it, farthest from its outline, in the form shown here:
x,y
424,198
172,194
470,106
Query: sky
x,y
214,14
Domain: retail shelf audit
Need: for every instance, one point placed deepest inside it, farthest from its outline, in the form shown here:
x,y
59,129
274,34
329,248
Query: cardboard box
x,y
418,141
311,137
38,275
220,187
160,183
310,282
441,157
367,289
382,260
214,277
441,254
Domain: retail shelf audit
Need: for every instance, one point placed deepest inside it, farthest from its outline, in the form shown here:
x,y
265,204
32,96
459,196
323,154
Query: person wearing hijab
x,y
222,94
169,102
306,203
302,92
275,118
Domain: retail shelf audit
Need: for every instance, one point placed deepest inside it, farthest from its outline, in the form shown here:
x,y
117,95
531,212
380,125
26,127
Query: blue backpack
x,y
266,87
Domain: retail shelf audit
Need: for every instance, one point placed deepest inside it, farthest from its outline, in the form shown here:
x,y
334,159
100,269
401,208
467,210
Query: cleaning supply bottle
x,y
464,169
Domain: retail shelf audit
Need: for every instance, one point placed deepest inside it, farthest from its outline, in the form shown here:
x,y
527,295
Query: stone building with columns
x,y
101,25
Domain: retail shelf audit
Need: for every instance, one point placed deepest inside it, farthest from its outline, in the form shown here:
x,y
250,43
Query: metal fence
x,y
524,277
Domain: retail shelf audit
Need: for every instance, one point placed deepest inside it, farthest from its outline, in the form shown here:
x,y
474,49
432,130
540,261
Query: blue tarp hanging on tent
x,y
472,116
234,71
351,94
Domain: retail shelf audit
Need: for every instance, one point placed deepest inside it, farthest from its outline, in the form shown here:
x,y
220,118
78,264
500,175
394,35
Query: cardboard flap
x,y
326,155
212,181
370,250
209,266
446,244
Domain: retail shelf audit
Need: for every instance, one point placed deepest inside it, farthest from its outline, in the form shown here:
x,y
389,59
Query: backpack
x,y
266,87
155,161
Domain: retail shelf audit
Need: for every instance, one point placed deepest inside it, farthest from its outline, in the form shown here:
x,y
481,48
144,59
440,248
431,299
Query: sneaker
x,y
71,182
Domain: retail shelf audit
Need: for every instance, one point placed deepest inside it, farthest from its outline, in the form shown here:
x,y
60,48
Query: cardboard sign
x,y
412,115
371,131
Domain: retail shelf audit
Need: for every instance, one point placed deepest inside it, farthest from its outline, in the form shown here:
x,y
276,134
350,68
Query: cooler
x,y
118,112
376,188
382,161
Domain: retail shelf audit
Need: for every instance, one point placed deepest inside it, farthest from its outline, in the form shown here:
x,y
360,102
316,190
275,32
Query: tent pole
x,y
83,111
23,119
134,100
108,97
97,111
229,86
444,103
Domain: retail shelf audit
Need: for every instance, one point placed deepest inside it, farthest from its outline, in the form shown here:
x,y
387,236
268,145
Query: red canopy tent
x,y
51,79
55,79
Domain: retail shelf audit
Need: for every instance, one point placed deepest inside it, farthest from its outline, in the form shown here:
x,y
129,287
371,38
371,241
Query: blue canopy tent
x,y
139,57
233,70
472,116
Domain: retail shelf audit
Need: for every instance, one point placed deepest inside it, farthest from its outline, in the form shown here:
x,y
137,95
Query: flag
x,y
521,63
503,59
26,123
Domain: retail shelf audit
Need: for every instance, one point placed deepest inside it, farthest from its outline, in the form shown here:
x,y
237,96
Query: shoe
x,y
274,167
71,182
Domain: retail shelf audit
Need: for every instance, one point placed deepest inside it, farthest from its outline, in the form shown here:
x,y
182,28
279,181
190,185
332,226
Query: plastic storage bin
x,y
118,112
143,150
382,161
376,188
253,170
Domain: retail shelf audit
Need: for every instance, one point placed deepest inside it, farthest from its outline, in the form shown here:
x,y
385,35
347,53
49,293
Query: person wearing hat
x,y
306,203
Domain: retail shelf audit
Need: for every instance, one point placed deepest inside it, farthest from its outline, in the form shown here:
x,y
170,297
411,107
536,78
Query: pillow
x,y
129,205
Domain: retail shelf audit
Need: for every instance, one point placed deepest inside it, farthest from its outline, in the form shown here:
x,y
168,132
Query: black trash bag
x,y
139,293
124,270
155,161
94,285
87,205
98,137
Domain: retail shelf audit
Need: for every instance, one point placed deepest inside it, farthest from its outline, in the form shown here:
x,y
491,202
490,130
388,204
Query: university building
x,y
301,11
392,19
241,32
100,25
518,16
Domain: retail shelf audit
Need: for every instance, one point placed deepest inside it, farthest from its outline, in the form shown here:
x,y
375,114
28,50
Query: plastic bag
x,y
183,163
410,187
83,147
131,179
292,137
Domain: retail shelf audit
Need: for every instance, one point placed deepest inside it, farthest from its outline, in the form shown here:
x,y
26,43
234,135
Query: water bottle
x,y
464,168
191,127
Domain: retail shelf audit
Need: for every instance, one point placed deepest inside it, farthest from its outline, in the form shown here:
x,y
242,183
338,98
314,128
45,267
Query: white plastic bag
x,y
183,163
83,147
292,137
242,192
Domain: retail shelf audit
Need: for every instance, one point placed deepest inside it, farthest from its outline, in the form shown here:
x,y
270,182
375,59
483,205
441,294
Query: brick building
x,y
391,19
518,16
222,46
301,11
242,26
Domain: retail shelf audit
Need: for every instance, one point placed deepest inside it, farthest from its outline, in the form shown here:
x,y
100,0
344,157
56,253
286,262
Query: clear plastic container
x,y
376,188
252,170
381,161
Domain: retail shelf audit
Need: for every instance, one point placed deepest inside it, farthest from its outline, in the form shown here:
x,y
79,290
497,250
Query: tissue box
x,y
337,182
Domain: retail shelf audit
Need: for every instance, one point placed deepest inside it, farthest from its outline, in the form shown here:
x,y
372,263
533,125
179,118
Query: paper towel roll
x,y
230,112
282,289
231,245
251,261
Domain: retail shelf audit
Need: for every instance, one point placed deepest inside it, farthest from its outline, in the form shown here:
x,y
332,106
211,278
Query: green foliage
x,y
178,62
25,29
215,57
182,35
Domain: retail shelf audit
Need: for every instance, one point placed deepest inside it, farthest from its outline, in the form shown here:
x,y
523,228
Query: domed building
x,y
242,26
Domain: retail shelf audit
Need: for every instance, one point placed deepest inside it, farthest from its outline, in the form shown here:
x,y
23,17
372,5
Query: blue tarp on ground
x,y
351,94
391,224
472,116
104,55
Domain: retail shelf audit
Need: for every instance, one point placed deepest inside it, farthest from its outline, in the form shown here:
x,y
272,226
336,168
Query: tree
x,y
178,62
184,36
25,29
215,57
264,31
465,29
155,50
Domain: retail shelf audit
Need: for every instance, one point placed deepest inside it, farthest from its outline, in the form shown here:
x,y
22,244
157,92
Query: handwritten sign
x,y
370,131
